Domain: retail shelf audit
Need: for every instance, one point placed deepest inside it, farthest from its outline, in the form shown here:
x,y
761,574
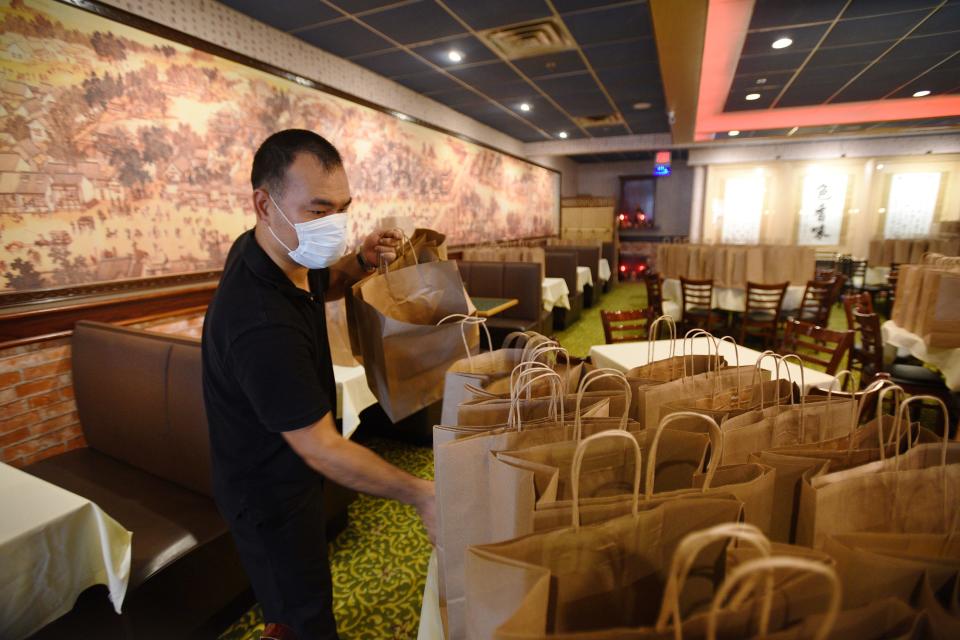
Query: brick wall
x,y
38,415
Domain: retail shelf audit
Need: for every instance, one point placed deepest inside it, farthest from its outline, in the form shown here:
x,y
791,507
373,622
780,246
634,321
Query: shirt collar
x,y
266,269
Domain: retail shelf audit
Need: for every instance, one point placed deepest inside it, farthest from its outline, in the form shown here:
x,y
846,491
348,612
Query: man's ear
x,y
261,201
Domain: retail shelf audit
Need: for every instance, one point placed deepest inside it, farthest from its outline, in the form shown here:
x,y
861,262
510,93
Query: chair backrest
x,y
627,326
861,302
859,270
815,304
654,283
765,297
838,286
816,345
696,293
871,340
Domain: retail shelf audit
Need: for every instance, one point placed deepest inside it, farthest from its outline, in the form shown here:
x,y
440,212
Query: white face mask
x,y
321,241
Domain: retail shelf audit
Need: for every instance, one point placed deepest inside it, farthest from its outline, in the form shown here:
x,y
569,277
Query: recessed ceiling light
x,y
761,81
792,131
880,167
920,94
753,96
401,116
455,56
782,43
562,134
640,106
525,107
733,134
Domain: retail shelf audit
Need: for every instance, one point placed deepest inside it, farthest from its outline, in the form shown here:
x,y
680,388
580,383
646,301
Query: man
x,y
268,381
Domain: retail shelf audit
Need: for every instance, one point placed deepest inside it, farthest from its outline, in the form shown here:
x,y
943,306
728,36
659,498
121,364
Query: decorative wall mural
x,y
124,155
742,208
911,205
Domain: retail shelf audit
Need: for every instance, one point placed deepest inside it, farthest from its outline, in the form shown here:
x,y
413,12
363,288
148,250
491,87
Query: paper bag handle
x,y
861,396
514,417
716,448
736,353
769,564
671,335
588,379
519,373
465,320
691,336
777,361
946,428
685,554
898,397
578,463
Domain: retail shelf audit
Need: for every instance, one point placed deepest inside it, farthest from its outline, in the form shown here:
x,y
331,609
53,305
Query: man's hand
x,y
381,245
426,507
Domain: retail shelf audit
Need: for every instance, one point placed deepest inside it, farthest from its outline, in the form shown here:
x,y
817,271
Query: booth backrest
x,y
609,251
520,280
563,264
587,256
140,400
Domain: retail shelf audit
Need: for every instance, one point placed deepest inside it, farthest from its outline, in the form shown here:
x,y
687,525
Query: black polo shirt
x,y
266,369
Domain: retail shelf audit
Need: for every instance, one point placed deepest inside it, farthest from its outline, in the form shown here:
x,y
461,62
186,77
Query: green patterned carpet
x,y
379,562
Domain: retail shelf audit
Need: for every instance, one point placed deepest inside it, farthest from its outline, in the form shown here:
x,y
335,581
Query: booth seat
x,y
563,264
520,280
147,464
587,256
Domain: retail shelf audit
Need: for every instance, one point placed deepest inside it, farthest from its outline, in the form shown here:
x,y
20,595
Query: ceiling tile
x,y
551,64
605,132
771,62
487,14
487,76
344,39
285,15
495,117
622,54
861,8
860,53
543,114
566,6
577,83
469,47
604,25
429,82
647,121
937,81
804,39
457,97
585,105
633,85
393,63
737,102
946,19
881,79
355,6
806,93
860,30
415,22
942,44
776,13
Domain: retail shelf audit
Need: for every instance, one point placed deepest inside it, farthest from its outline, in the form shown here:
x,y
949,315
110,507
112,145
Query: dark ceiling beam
x,y
679,27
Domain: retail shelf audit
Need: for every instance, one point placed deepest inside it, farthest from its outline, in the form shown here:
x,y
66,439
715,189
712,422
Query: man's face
x,y
309,192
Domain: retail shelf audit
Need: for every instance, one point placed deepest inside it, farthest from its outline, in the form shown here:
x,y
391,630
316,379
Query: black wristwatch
x,y
363,263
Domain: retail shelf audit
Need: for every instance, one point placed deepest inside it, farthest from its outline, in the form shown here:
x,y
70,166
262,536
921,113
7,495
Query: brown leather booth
x,y
563,264
140,402
587,256
520,280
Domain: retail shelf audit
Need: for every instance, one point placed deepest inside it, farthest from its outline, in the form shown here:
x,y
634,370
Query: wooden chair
x,y
861,302
914,379
697,304
762,313
815,304
883,293
654,284
858,274
627,326
815,345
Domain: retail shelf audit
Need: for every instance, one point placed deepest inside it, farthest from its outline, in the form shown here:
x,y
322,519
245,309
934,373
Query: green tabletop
x,y
487,307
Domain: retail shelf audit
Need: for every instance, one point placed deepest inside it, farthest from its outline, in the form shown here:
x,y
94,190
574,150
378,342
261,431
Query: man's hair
x,y
278,152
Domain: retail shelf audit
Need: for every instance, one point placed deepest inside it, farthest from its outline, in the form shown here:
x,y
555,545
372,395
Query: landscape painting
x,y
127,155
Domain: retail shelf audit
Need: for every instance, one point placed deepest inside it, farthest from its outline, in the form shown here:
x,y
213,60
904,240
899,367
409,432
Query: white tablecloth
x,y
947,360
556,293
603,270
53,545
877,275
627,355
584,278
353,396
731,299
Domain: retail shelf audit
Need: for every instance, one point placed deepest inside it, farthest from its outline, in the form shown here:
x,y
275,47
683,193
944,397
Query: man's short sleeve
x,y
275,369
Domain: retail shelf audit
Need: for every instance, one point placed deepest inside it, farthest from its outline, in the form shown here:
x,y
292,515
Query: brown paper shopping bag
x,y
938,311
914,492
405,353
583,578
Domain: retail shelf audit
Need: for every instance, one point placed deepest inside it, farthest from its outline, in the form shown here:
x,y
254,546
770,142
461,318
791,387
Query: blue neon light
x,y
661,170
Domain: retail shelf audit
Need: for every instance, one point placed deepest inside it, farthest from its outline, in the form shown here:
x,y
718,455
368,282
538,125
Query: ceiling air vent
x,y
599,121
535,38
